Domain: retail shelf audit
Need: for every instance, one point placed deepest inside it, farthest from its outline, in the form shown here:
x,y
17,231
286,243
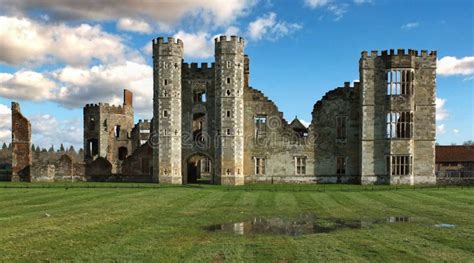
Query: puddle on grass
x,y
445,226
300,225
304,224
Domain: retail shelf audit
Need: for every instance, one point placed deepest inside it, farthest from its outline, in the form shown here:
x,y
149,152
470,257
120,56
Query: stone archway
x,y
198,168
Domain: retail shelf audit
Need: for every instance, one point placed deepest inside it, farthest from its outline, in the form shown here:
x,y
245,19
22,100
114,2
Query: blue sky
x,y
54,57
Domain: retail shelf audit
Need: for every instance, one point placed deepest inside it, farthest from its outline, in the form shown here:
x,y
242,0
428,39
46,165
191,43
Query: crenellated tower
x,y
398,117
229,82
167,110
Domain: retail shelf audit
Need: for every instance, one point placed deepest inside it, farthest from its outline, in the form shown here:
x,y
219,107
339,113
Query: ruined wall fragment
x,y
21,145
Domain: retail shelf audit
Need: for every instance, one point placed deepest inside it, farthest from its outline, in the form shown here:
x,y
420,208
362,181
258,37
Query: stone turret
x,y
230,81
167,110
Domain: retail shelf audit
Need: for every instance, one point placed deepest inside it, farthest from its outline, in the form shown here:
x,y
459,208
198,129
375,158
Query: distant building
x,y
455,161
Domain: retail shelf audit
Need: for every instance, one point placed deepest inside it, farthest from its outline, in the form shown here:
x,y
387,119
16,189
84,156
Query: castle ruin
x,y
210,124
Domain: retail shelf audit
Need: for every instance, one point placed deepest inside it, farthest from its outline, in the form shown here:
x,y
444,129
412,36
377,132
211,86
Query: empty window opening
x,y
228,132
341,165
199,96
92,147
399,164
259,166
165,113
228,80
341,132
399,125
399,82
260,126
117,131
229,64
198,125
300,165
228,114
122,153
92,123
228,92
166,82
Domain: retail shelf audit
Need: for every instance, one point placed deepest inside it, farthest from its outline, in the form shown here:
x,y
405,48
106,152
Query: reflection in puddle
x,y
398,219
301,225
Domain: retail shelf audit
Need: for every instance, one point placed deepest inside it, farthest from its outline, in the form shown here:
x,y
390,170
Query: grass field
x,y
145,222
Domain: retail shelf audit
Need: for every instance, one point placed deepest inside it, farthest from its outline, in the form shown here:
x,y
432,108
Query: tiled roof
x,y
455,153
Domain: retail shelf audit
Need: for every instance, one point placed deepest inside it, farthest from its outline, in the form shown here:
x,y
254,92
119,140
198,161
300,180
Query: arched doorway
x,y
199,169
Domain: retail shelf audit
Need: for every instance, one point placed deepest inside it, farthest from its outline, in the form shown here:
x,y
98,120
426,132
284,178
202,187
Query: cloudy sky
x,y
58,55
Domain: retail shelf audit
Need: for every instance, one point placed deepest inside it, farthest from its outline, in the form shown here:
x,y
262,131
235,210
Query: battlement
x,y
398,52
202,66
224,45
143,121
170,40
106,107
233,39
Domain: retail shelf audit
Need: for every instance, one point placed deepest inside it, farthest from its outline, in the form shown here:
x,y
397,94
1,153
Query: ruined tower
x,y
229,81
107,131
397,117
21,145
167,60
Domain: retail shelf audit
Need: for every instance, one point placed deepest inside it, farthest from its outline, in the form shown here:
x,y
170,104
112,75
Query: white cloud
x,y
411,25
441,129
105,83
456,131
267,26
133,25
26,85
28,41
441,112
5,124
338,10
196,45
360,2
316,3
47,130
305,123
448,66
165,12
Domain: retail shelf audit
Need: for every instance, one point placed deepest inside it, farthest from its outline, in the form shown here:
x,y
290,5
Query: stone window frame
x,y
300,165
399,164
399,125
399,81
341,137
260,165
341,165
260,122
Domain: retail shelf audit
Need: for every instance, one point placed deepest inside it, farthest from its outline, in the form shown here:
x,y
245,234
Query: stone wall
x,y
339,104
21,145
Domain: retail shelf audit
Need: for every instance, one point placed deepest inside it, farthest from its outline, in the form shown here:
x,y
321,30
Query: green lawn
x,y
146,222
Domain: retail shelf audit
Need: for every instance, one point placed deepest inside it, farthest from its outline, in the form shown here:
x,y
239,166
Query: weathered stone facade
x,y
107,132
209,121
21,145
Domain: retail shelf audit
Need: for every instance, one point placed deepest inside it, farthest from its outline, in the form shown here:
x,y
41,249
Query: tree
x,y
10,146
38,149
4,146
469,143
61,148
33,147
51,150
72,150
